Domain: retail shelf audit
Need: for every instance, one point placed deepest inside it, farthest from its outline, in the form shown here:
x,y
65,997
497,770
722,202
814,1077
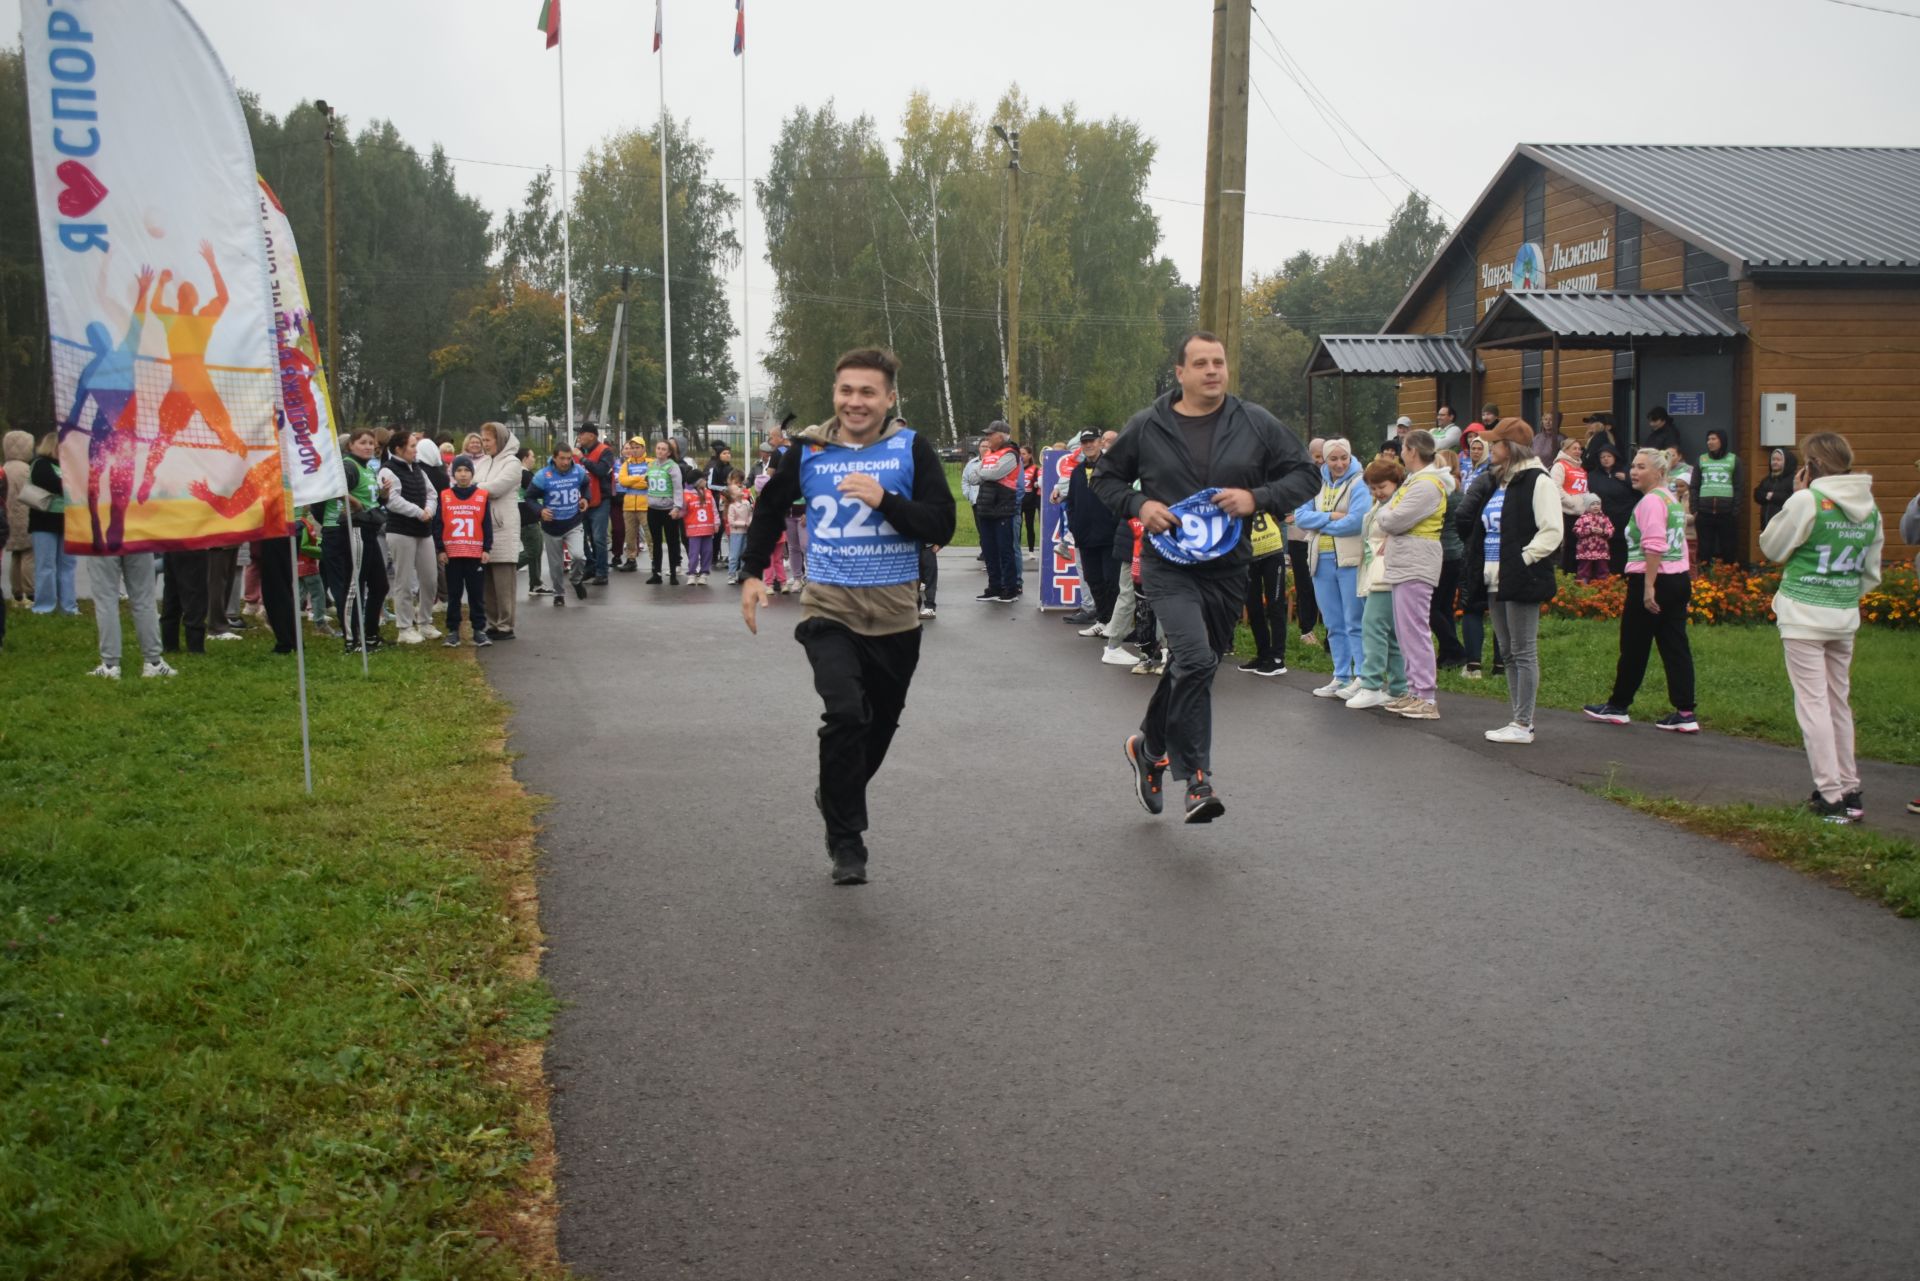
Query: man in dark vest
x,y
596,456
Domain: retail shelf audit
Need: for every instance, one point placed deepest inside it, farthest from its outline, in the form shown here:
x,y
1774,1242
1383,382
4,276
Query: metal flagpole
x,y
746,322
666,264
300,654
357,598
566,242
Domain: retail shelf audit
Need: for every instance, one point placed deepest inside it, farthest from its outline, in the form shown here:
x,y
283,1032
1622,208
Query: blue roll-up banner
x,y
1059,564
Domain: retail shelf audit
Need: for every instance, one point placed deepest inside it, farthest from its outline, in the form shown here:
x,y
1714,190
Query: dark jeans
x,y
929,576
663,531
1641,631
1099,585
596,524
999,541
336,566
1306,607
1030,513
1440,616
183,601
1198,611
278,590
1267,607
532,554
469,578
221,564
862,682
1716,530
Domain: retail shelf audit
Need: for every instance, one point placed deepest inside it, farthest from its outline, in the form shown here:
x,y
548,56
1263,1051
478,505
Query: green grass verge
x,y
1885,869
1741,680
965,532
244,1032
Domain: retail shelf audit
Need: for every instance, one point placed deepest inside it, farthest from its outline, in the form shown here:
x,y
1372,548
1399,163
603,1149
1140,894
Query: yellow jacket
x,y
631,476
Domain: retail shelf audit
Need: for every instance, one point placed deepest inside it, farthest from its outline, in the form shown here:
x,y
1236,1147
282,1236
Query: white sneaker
x,y
1330,690
224,636
1118,656
1348,690
110,673
429,632
1510,734
409,636
159,668
926,611
1364,698
1098,629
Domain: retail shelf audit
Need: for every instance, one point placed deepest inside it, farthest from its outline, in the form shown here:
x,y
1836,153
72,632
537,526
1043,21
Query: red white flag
x,y
656,26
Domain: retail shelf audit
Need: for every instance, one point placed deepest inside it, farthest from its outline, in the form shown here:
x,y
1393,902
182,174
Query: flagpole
x,y
746,320
300,651
566,242
666,264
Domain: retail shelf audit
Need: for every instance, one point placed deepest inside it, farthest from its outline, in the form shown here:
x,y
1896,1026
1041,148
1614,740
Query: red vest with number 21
x,y
461,521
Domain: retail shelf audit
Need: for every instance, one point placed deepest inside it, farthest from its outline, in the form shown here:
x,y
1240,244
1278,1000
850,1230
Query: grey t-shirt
x,y
1198,433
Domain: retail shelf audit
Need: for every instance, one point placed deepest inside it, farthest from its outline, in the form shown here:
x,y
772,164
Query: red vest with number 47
x,y
462,523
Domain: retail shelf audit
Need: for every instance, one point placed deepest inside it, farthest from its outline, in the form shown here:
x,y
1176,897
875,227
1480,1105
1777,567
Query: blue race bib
x,y
848,543
1204,533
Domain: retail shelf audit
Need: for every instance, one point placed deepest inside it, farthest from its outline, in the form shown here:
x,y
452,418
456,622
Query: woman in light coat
x,y
499,474
19,455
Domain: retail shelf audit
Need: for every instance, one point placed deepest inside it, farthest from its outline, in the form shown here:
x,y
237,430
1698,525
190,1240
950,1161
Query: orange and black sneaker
x,y
1147,774
1202,805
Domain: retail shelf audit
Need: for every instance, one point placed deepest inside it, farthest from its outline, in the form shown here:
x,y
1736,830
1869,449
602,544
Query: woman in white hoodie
x,y
1828,537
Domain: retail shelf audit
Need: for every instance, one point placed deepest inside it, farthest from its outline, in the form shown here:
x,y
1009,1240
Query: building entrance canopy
x,y
1537,319
1389,355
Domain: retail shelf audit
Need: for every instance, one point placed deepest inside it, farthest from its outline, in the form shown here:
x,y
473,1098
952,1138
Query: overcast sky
x,y
1440,93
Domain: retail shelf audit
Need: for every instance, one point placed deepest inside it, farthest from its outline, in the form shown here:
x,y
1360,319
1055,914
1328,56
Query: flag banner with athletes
x,y
165,379
309,444
1060,585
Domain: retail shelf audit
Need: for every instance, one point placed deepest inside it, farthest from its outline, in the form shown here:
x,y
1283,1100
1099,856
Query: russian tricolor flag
x,y
739,27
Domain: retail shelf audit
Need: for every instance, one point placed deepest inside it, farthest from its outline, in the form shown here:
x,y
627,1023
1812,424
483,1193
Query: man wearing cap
x,y
874,492
1193,439
998,512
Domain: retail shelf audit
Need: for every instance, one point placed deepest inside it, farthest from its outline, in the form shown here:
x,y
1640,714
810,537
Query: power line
x,y
1874,8
1261,213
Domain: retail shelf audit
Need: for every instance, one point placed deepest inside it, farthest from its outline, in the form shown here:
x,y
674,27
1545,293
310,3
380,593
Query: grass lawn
x,y
965,532
245,1033
1740,673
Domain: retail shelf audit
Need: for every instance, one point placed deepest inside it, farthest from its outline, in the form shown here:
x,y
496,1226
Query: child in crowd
x,y
776,573
463,535
739,516
1683,490
312,600
1383,669
1593,532
703,526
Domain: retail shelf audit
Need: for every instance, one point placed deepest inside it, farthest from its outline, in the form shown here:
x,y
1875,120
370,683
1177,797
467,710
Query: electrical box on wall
x,y
1776,420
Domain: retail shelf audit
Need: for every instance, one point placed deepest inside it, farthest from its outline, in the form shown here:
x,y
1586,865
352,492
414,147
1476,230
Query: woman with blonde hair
x,y
1659,594
1829,537
1523,531
53,564
1333,523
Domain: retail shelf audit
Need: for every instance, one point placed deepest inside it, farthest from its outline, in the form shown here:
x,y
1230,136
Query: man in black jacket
x,y
595,455
1196,438
1092,523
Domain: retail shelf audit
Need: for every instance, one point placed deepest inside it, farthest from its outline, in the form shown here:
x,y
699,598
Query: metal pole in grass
x,y
300,655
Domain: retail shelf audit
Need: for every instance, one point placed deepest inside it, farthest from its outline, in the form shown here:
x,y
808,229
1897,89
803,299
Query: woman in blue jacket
x,y
1332,522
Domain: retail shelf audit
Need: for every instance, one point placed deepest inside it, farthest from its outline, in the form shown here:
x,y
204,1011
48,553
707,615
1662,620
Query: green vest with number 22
x,y
1826,569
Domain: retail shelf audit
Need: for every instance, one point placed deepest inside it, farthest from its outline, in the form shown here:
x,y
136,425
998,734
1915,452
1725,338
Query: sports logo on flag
x,y
550,21
739,27
1204,533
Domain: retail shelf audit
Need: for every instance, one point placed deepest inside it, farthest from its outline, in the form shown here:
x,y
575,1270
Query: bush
x,y
1731,594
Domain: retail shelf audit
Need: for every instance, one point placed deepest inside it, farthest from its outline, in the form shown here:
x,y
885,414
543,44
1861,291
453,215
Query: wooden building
x,y
1768,292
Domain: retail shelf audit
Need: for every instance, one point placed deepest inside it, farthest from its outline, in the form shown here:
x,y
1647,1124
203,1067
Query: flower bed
x,y
1729,594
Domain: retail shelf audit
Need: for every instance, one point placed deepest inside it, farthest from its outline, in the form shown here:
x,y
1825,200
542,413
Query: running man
x,y
874,492
1197,438
108,379
192,391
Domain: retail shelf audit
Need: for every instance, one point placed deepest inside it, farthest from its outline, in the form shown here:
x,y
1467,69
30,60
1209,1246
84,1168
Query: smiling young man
x,y
874,493
1192,440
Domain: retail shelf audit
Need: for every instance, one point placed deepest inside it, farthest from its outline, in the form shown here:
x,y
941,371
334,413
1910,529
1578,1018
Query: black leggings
x,y
1306,607
1640,631
663,531
1267,607
1032,514
862,682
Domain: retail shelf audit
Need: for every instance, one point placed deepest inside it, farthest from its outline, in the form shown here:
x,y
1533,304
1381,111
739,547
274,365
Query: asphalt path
x,y
1408,1010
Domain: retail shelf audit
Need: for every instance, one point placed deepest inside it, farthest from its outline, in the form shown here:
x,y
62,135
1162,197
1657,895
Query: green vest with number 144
x,y
1826,569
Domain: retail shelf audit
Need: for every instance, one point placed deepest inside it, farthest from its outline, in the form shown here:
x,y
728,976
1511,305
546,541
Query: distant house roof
x,y
1600,318
1398,355
1762,210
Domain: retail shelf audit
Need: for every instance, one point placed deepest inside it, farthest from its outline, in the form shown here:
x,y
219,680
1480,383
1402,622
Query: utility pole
x,y
1210,216
1012,139
1232,192
333,258
626,355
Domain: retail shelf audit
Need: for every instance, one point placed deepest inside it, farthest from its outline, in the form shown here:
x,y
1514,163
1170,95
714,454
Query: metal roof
x,y
1601,318
1396,355
1771,208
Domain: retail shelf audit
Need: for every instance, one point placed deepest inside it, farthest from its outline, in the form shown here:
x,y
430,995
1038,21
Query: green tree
x,y
26,387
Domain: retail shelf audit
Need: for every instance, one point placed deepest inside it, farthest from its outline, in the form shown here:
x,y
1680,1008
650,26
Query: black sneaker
x,y
850,865
673,578
1855,804
560,601
482,641
1827,811
579,588
1202,805
1678,723
1270,667
990,597
1251,665
653,579
1607,712
1080,617
1147,774
600,580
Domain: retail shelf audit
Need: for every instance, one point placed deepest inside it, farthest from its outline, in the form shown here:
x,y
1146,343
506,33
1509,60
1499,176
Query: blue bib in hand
x,y
1204,533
